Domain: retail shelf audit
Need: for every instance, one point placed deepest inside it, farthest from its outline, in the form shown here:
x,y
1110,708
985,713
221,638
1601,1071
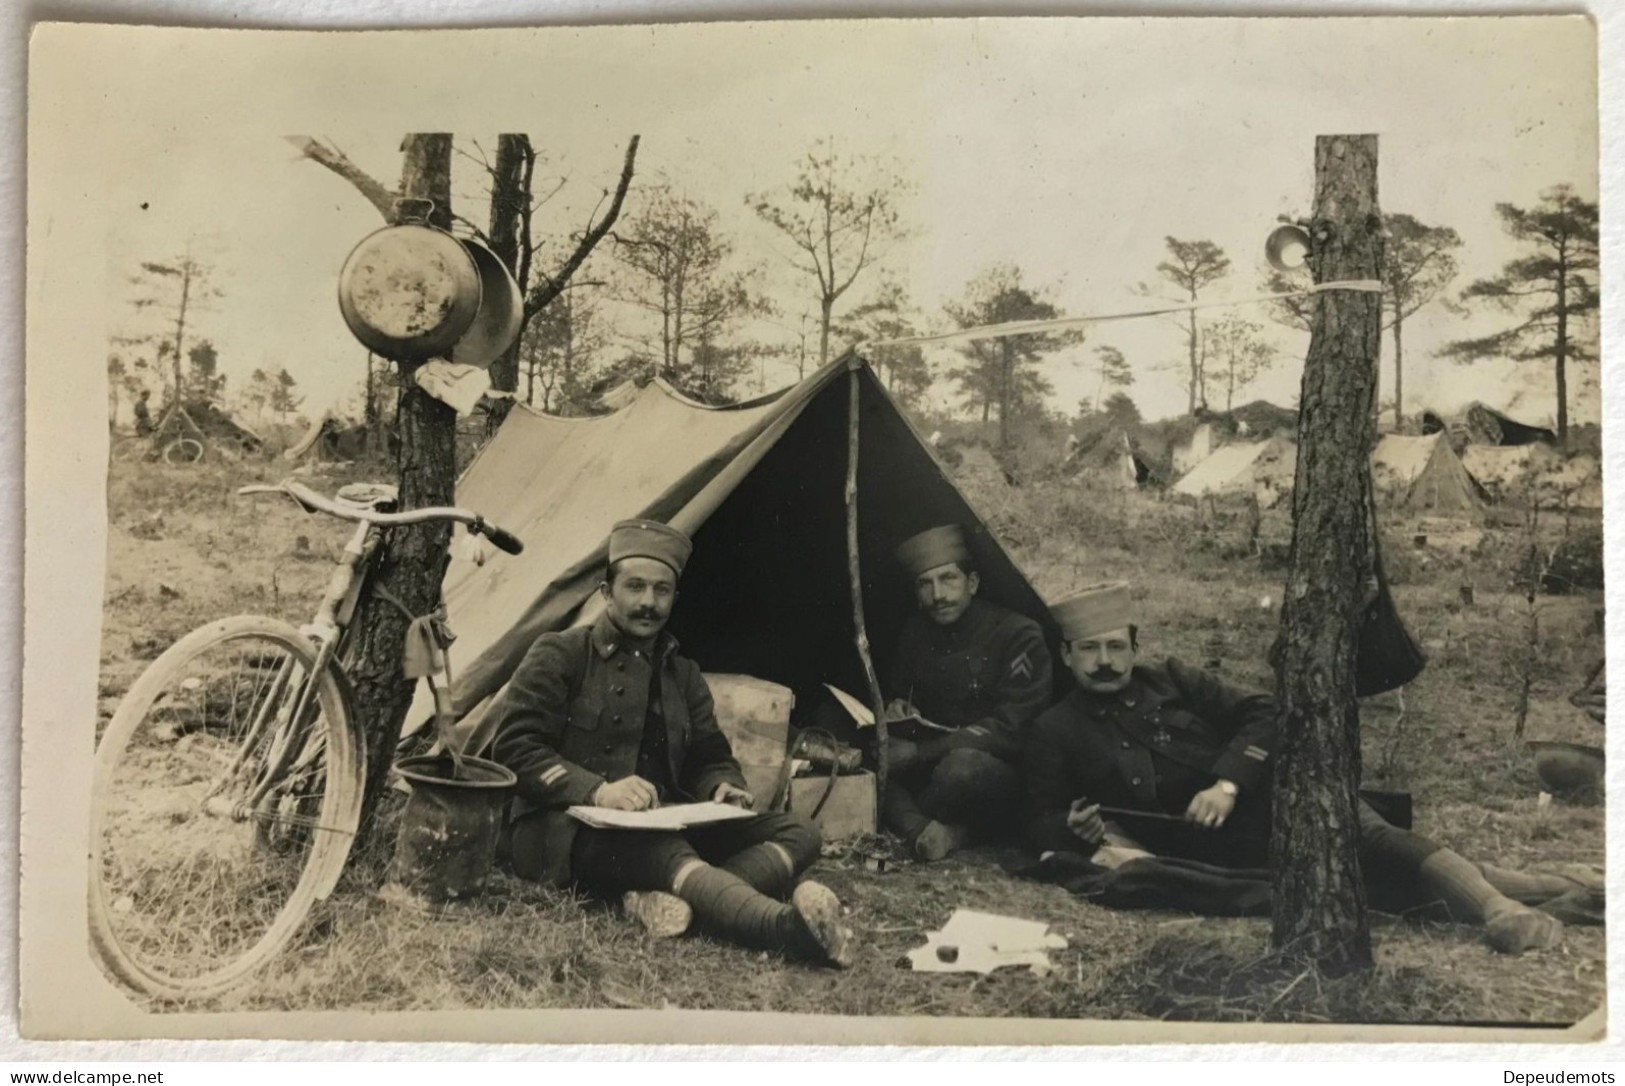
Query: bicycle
x,y
228,785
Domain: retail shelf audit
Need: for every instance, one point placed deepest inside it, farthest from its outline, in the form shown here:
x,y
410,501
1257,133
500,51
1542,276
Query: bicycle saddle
x,y
377,497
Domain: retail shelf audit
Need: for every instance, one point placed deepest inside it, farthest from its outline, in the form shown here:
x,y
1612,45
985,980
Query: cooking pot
x,y
409,292
500,314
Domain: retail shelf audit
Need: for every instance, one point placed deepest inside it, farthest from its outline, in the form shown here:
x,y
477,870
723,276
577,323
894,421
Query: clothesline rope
x,y
1059,324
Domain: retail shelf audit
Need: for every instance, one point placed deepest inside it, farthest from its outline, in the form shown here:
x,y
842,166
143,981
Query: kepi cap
x,y
650,539
1094,610
932,548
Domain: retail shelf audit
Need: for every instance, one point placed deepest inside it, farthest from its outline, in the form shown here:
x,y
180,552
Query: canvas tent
x,y
1262,468
1423,473
1510,471
1487,426
761,488
1110,463
1194,449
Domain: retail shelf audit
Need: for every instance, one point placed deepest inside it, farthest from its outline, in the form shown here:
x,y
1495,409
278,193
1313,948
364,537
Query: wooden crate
x,y
850,810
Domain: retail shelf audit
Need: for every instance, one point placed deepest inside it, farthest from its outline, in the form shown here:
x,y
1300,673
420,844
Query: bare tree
x,y
1191,267
174,289
1554,286
679,268
838,222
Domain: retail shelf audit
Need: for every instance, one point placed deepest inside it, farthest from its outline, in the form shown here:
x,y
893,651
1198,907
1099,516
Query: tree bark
x,y
1562,353
1399,370
508,201
414,558
1318,898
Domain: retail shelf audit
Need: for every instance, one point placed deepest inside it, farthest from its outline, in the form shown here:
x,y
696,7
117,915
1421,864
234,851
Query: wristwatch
x,y
1228,788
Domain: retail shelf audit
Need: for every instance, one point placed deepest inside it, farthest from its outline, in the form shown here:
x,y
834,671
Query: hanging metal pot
x,y
501,311
409,292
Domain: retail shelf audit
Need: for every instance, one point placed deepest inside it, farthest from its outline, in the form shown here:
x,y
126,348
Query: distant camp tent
x,y
1263,419
1110,463
760,486
1264,469
1507,472
1577,483
1423,474
1487,426
1194,449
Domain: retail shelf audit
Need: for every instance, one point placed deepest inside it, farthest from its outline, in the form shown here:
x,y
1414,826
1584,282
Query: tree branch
x,y
555,283
331,157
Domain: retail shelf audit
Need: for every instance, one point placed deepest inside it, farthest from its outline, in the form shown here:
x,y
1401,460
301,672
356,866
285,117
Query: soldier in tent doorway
x,y
979,673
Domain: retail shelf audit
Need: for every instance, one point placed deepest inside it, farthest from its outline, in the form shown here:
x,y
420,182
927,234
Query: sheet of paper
x,y
678,816
978,942
865,717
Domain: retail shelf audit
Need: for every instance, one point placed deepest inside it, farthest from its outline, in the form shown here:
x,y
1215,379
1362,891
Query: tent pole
x,y
860,629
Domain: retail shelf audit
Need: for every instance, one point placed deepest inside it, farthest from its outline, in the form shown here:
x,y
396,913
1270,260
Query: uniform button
x,y
616,718
620,666
1135,782
1125,744
609,748
620,689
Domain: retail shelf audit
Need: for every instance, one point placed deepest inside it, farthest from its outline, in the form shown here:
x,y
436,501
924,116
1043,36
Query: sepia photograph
x,y
899,531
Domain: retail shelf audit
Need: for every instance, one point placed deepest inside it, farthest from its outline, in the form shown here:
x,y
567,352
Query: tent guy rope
x,y
1057,324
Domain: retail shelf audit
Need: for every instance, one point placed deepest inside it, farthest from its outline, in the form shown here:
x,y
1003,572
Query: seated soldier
x,y
980,672
610,715
1170,740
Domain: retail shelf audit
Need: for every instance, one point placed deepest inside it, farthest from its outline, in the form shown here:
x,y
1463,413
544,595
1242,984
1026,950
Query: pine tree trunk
x,y
1399,371
508,199
1319,906
1195,380
415,557
1562,357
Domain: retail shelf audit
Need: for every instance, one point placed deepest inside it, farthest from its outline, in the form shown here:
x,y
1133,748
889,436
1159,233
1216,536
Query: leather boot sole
x,y
662,915
820,911
1521,929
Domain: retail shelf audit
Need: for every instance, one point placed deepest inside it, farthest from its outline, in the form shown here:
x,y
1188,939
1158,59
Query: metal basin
x,y
409,292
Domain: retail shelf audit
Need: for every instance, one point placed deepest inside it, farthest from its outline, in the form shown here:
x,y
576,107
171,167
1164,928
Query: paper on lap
x,y
678,816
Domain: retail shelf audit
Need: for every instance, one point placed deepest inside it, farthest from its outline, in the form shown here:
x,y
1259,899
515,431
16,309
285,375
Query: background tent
x,y
759,485
1423,473
1507,471
1110,462
1487,426
1193,450
1263,468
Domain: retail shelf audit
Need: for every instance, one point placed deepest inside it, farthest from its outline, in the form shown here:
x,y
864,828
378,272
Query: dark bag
x,y
1386,656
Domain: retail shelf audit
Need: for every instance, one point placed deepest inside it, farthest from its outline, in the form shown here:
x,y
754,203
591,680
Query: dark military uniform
x,y
986,676
1170,733
585,707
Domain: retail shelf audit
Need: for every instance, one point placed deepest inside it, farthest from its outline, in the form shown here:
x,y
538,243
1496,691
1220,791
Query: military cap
x,y
1097,609
932,548
650,539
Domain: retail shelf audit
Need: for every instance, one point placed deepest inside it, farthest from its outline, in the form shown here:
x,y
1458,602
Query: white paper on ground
x,y
678,816
984,942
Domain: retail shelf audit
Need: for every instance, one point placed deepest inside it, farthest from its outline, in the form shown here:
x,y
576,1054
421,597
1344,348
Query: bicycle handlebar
x,y
312,502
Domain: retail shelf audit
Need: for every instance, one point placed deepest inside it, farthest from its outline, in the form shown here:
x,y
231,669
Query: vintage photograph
x,y
911,530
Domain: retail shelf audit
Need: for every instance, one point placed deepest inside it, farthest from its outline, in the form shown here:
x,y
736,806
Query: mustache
x,y
645,612
1105,674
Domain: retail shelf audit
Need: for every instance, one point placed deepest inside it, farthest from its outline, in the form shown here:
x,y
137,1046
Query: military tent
x,y
1487,426
761,488
1510,471
1261,468
1423,473
1194,449
1110,463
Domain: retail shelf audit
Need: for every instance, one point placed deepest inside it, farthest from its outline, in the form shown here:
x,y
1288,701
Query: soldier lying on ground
x,y
1194,755
610,715
976,669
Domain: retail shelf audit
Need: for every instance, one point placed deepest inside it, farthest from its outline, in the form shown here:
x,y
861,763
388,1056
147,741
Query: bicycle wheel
x,y
183,451
227,794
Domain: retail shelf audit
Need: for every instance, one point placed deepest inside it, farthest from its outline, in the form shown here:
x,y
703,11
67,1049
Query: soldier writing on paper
x,y
977,671
1144,762
611,715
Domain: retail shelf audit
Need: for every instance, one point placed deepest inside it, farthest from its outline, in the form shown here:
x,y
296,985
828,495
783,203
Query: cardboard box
x,y
850,810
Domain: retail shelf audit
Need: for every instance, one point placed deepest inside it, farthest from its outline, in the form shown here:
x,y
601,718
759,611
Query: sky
x,y
1068,147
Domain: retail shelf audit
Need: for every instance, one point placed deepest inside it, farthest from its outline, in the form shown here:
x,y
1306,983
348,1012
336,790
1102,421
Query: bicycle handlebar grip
x,y
503,538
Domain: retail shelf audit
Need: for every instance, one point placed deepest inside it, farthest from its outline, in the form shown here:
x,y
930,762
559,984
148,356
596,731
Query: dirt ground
x,y
183,549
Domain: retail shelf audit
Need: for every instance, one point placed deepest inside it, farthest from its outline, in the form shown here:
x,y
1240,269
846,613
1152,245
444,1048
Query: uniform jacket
x,y
1172,732
986,676
572,717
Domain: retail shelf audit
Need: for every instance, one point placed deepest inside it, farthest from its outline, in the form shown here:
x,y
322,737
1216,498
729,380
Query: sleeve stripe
x,y
553,775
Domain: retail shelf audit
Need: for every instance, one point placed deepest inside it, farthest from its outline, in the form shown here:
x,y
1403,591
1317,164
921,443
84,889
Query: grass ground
x,y
183,550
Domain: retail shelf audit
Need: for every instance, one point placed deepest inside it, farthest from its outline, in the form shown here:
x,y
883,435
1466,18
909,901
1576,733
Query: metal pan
x,y
409,292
